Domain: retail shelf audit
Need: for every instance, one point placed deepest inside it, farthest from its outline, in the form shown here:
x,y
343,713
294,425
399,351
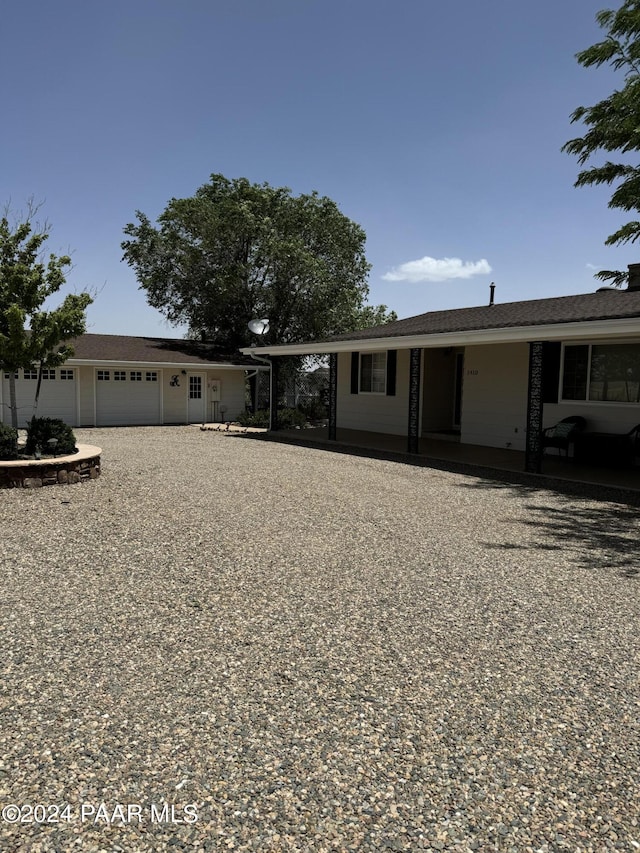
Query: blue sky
x,y
436,126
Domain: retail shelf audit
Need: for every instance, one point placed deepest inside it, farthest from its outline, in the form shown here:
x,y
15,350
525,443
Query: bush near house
x,y
41,430
8,443
287,418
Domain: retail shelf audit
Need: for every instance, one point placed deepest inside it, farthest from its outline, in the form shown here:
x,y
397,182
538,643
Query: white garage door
x,y
57,395
127,397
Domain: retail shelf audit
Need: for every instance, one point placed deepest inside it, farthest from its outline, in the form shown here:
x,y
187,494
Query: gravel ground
x,y
315,652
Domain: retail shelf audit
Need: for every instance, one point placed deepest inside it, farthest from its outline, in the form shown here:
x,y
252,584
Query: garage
x,y
128,397
58,395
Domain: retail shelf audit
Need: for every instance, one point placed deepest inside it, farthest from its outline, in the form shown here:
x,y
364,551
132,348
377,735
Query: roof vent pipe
x,y
492,290
634,277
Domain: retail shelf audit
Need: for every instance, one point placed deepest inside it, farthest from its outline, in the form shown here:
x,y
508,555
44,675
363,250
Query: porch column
x,y
533,454
273,394
413,426
333,395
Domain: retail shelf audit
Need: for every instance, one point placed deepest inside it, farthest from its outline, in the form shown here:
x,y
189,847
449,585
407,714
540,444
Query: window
x,y
602,373
195,387
103,376
66,374
120,375
30,374
151,376
8,375
135,376
373,373
49,373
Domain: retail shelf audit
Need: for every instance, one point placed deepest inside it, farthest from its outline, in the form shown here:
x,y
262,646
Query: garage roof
x,y
127,348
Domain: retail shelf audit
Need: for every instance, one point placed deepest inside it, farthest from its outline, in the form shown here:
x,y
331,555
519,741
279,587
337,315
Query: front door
x,y
196,399
457,390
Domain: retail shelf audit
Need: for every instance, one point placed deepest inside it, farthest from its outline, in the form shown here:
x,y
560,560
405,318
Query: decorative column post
x,y
413,426
273,394
533,454
333,395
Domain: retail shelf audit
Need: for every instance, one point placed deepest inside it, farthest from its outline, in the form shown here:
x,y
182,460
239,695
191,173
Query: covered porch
x,y
471,457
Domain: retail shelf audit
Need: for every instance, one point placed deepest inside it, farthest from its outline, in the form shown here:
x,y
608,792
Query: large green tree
x,y
31,336
237,251
614,123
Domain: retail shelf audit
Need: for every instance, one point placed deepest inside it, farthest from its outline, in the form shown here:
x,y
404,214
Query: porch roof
x,y
604,313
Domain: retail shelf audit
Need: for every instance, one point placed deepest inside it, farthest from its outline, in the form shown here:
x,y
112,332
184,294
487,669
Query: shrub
x,y
314,409
8,442
255,419
41,430
287,418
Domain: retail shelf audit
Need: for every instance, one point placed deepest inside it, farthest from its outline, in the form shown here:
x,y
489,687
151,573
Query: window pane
x,y
373,373
574,376
615,373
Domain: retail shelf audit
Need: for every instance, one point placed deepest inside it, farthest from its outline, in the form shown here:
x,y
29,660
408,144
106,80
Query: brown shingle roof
x,y
604,305
172,350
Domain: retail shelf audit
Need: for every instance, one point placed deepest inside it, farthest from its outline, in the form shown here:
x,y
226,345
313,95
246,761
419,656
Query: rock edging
x,y
61,470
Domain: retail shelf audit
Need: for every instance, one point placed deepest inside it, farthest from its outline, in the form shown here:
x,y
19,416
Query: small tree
x,y
29,335
614,123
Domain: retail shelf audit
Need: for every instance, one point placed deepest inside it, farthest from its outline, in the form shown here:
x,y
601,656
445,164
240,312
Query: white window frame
x,y
103,375
135,376
30,374
67,374
372,356
151,376
586,400
119,375
49,373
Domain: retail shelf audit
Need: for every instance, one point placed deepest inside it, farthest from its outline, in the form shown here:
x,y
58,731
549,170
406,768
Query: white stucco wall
x,y
373,412
494,395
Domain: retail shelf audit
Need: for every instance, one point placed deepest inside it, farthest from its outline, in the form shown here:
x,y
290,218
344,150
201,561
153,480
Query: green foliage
x,y
290,418
287,418
254,419
41,430
8,442
614,123
314,410
236,251
30,335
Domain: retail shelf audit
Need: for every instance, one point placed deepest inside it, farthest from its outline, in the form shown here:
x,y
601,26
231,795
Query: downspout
x,y
266,361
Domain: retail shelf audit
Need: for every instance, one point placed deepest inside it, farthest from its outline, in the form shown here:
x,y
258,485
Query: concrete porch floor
x,y
554,468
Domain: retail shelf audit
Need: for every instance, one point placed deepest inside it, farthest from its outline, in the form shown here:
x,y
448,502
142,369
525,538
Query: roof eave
x,y
584,329
179,365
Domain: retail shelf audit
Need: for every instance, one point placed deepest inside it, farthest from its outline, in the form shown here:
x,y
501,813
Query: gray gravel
x,y
319,652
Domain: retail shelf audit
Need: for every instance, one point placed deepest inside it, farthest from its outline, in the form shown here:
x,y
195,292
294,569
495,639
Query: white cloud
x,y
437,269
592,267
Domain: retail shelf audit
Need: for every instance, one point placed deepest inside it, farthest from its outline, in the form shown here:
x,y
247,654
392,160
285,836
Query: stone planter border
x,y
61,470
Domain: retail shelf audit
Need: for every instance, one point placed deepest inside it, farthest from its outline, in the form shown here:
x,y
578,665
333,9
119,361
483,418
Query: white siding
x,y
494,396
373,412
232,394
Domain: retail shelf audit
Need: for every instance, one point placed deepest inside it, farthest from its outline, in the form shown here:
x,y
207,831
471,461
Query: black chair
x,y
563,433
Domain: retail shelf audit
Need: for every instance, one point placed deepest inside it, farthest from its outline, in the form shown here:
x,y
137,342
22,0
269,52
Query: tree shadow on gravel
x,y
602,536
605,533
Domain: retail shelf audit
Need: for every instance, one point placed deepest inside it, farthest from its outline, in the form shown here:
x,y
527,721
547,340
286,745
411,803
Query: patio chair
x,y
563,434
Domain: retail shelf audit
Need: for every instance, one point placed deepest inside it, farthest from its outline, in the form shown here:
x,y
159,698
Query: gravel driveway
x,y
311,651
